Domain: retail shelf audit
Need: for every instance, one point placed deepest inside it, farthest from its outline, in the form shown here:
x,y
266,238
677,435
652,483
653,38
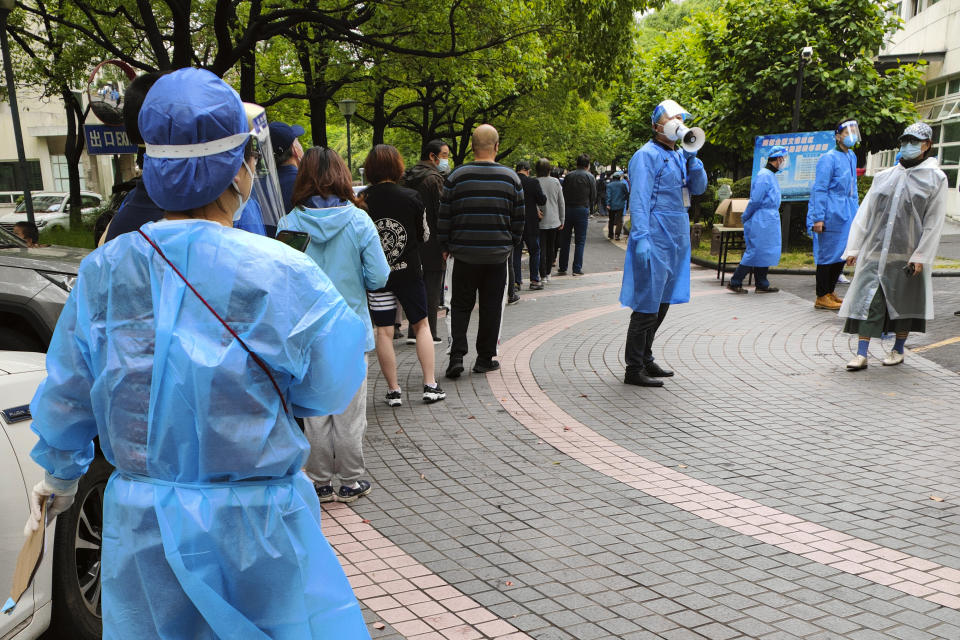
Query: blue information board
x,y
803,149
104,139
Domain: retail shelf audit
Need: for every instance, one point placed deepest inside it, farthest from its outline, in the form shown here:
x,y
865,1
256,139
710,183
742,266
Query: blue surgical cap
x,y
776,152
190,106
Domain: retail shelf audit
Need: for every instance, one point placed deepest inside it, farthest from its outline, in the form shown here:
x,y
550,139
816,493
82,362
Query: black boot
x,y
656,371
455,368
641,379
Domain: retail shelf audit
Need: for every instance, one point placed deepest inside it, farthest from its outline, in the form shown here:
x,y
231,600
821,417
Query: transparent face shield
x,y
266,184
849,131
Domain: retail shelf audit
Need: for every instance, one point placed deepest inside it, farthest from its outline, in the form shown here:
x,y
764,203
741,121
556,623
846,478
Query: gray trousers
x,y
336,443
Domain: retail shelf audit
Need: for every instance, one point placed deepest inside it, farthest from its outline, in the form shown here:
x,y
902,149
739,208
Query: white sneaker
x,y
843,279
858,363
893,358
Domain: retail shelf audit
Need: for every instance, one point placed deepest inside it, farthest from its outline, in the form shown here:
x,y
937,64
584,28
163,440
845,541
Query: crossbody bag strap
x,y
255,357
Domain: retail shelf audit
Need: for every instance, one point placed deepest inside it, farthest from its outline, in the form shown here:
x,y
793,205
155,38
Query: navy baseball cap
x,y
282,136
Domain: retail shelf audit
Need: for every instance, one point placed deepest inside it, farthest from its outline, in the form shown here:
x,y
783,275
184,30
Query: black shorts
x,y
411,295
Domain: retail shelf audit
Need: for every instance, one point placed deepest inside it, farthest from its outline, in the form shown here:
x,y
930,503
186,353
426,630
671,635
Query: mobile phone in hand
x,y
908,269
299,240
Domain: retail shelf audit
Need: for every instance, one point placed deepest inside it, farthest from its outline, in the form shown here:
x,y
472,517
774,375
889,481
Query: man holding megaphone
x,y
656,270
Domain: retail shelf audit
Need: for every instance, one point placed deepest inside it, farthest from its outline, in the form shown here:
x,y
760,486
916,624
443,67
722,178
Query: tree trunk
x,y
248,77
379,117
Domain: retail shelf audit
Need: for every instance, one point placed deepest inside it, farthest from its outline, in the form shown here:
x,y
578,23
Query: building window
x,y
916,6
61,176
8,179
954,86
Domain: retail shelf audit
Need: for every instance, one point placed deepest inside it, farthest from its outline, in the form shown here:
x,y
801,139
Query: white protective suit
x,y
898,222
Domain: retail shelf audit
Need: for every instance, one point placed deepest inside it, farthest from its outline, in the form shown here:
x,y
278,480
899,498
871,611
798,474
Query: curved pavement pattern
x,y
763,493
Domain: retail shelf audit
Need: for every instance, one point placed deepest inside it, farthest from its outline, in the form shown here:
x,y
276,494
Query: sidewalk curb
x,y
806,272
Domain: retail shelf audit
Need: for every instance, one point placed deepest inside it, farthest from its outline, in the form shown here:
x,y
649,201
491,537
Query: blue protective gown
x,y
211,529
657,212
761,222
833,202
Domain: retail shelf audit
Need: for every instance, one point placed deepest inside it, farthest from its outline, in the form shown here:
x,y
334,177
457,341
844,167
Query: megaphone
x,y
690,138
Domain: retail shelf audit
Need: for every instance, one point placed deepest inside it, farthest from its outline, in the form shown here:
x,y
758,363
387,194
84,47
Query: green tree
x,y
735,68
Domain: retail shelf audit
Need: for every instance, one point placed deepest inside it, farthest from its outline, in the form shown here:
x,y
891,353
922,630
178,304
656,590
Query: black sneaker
x,y
736,288
514,299
455,368
561,273
324,493
346,494
394,398
536,286
578,273
767,289
433,394
485,366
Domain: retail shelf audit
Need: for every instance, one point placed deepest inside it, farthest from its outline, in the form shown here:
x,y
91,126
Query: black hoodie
x,y
428,182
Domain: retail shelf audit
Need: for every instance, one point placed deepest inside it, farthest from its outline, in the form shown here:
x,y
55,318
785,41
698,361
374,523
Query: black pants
x,y
615,223
640,334
827,275
471,282
548,250
433,281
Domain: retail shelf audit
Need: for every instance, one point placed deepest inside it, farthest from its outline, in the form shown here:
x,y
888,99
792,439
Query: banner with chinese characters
x,y
104,139
803,150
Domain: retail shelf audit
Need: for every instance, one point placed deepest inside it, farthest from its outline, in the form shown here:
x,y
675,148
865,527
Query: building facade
x,y
43,122
931,32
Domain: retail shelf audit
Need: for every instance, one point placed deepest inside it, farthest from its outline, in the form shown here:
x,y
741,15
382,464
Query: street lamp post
x,y
806,55
348,107
6,6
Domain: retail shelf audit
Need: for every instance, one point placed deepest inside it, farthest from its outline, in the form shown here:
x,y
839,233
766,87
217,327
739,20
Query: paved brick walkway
x,y
764,492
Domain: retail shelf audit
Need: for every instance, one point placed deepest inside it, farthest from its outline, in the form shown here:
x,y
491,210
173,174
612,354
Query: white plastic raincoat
x,y
899,222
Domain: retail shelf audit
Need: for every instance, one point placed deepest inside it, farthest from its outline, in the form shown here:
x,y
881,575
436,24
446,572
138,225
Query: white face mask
x,y
443,165
238,213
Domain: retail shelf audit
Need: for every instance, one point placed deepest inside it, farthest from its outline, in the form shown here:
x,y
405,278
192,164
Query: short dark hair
x,y
543,168
522,165
133,99
322,173
434,147
383,162
29,230
583,161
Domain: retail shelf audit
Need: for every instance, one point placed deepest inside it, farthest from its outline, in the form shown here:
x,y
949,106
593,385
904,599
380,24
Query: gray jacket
x,y
554,212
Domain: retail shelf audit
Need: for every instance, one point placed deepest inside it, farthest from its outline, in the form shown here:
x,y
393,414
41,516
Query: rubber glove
x,y
41,493
688,154
643,249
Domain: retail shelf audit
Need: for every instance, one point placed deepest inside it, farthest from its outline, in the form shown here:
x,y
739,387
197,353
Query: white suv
x,y
51,209
65,593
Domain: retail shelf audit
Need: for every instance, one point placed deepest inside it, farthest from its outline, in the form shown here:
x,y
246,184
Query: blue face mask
x,y
911,150
443,165
849,141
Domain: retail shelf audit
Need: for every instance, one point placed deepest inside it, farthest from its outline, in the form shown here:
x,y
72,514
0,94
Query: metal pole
x,y
349,151
794,128
21,171
795,123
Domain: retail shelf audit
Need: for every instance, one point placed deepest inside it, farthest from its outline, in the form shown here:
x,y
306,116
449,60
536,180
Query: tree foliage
x,y
735,67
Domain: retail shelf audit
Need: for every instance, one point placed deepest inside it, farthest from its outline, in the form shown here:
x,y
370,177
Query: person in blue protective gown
x,y
833,203
656,270
210,528
761,226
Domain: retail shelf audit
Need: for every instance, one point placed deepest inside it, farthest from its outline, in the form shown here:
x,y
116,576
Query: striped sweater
x,y
481,213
